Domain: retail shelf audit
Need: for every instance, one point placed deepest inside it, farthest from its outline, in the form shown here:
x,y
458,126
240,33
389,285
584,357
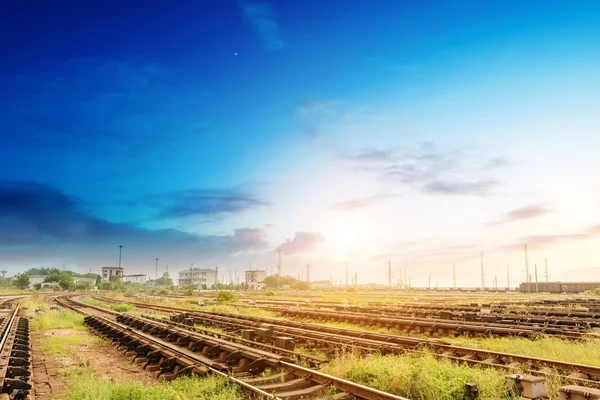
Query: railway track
x,y
15,356
330,338
170,352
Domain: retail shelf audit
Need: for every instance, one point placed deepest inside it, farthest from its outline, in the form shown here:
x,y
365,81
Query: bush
x,y
163,291
226,297
351,289
188,292
269,292
121,307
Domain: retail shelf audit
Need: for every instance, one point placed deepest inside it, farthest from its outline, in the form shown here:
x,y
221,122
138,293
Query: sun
x,y
346,238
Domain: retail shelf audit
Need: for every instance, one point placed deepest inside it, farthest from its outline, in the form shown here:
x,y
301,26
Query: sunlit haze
x,y
214,132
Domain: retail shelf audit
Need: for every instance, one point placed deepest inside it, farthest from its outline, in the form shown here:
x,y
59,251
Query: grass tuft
x,y
419,376
58,320
84,385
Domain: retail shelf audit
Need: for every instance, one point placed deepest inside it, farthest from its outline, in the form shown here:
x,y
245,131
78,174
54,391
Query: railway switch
x,y
528,386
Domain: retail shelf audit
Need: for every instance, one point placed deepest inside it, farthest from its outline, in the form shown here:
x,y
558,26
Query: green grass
x,y
64,345
419,377
58,320
121,307
35,302
580,352
84,385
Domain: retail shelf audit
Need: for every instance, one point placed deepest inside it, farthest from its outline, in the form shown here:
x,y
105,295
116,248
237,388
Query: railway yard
x,y
420,346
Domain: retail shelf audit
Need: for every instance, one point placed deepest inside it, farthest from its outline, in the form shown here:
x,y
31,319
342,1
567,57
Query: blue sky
x,y
215,131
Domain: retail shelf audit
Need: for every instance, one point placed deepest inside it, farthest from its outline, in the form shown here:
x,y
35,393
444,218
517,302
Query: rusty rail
x,y
170,350
15,356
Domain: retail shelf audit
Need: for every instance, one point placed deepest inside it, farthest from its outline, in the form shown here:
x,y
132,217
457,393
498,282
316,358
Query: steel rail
x,y
470,355
297,387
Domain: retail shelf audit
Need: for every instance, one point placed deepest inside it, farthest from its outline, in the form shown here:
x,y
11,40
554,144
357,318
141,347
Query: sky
x,y
214,132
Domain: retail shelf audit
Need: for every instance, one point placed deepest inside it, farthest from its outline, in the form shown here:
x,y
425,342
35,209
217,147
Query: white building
x,y
112,273
35,279
201,277
138,278
321,284
255,279
79,280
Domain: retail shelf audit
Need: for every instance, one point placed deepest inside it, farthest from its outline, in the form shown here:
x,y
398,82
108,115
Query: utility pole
x,y
430,282
355,279
536,281
546,262
527,275
167,269
308,272
279,261
482,278
120,248
156,268
454,275
346,275
390,273
250,266
405,278
507,277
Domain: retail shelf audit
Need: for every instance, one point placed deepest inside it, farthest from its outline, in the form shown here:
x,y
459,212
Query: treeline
x,y
65,279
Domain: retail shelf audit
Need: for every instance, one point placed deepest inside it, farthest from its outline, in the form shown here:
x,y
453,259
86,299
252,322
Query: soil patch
x,y
103,358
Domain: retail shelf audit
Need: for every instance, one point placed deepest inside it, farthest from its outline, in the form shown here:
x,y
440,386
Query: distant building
x,y
321,284
138,278
255,279
85,281
112,273
200,277
35,279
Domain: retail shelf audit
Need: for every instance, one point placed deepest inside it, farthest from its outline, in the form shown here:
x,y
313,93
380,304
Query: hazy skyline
x,y
214,132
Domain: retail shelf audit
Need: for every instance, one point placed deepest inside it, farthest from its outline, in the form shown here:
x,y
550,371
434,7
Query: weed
x,y
58,320
121,307
419,377
63,345
84,385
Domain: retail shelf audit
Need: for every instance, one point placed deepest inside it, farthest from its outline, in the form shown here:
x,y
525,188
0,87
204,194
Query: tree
x,y
164,280
21,281
65,280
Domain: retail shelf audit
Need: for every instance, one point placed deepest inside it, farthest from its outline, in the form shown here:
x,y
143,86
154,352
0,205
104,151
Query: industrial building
x,y
204,278
112,273
255,279
557,287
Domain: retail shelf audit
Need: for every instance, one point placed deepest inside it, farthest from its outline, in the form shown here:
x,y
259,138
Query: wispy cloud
x,y
263,19
542,241
362,202
40,219
205,202
430,169
528,212
314,116
301,243
371,155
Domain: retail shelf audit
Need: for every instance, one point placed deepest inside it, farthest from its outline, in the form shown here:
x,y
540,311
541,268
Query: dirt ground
x,y
104,359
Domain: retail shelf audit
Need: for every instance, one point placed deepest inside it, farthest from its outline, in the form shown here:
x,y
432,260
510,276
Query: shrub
x,y
163,291
188,292
269,292
226,297
121,307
